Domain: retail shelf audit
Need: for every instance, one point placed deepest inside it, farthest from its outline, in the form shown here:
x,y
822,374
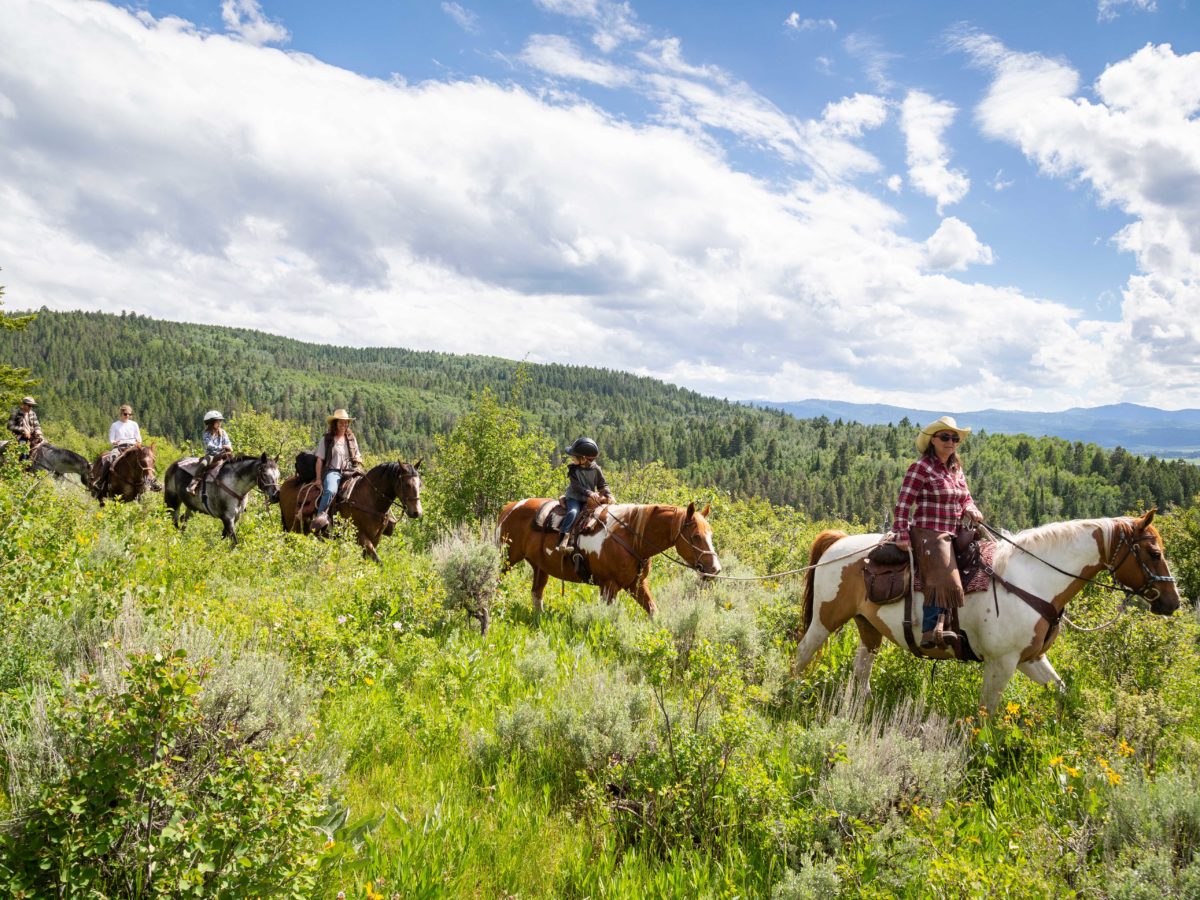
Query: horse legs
x,y
641,593
1040,671
997,672
540,577
869,639
228,531
814,639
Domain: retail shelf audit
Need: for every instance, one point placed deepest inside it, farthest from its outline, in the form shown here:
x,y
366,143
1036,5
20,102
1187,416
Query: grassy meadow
x,y
287,719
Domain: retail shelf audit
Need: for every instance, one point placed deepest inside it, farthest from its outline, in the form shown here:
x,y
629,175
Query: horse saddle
x,y
192,466
550,515
888,578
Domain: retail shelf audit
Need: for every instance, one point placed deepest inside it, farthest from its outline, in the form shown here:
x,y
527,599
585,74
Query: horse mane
x,y
1052,534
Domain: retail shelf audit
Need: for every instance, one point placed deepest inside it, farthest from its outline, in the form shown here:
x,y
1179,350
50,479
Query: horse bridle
x,y
1131,546
403,495
700,552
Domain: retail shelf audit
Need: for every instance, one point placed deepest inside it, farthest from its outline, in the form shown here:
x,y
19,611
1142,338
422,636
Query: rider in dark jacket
x,y
585,482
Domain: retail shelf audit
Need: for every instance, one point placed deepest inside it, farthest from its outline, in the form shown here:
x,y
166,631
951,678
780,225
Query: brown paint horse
x,y
1051,563
367,507
129,476
618,555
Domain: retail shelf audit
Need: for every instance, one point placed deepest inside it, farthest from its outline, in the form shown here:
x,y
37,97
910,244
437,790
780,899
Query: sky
x,y
927,204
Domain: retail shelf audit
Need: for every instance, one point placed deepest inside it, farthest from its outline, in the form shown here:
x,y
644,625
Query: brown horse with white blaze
x,y
618,555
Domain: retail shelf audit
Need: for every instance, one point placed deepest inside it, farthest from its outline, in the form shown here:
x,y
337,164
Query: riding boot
x,y
564,541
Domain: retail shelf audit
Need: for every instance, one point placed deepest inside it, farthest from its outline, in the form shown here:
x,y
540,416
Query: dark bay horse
x,y
225,496
618,554
1050,563
367,507
58,461
130,476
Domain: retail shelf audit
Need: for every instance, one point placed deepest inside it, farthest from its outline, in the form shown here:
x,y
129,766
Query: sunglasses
x,y
948,437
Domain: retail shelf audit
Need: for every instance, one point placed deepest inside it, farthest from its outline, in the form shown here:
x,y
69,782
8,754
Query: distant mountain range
x,y
1139,429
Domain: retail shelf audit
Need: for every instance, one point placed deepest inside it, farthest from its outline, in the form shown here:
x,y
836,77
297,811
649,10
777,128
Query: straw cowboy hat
x,y
338,414
28,401
945,423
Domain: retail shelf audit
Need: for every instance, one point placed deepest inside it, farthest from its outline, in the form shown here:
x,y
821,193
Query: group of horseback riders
x,y
933,505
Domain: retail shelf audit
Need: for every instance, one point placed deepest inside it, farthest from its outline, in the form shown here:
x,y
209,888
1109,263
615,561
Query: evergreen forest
x,y
405,400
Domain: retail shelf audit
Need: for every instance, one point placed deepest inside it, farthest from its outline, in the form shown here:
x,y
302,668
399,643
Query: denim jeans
x,y
573,508
329,487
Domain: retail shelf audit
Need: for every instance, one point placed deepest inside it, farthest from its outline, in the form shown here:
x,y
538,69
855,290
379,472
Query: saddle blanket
x,y
550,516
982,580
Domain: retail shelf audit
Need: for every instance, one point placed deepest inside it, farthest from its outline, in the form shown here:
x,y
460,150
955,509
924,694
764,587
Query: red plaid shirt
x,y
941,495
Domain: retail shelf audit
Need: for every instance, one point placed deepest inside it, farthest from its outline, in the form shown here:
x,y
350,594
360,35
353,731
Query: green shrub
x,y
470,570
146,801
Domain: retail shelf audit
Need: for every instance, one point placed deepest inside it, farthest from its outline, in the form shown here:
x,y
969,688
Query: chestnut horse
x,y
618,554
367,507
130,475
1050,564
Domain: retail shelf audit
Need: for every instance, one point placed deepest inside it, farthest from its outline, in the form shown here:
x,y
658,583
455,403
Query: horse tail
x,y
824,541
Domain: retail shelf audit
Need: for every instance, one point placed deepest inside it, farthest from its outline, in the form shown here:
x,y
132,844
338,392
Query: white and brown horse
x,y
618,554
1051,563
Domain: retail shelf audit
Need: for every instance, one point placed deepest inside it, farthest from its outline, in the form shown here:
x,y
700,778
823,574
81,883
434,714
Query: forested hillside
x,y
404,399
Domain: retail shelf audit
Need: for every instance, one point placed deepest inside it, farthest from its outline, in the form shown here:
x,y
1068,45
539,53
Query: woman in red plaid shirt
x,y
937,486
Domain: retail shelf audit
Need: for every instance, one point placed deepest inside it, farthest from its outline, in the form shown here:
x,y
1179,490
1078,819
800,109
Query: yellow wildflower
x,y
1056,761
1114,778
1072,771
1013,708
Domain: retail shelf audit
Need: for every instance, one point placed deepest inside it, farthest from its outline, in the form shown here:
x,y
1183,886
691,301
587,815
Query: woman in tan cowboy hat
x,y
936,484
337,455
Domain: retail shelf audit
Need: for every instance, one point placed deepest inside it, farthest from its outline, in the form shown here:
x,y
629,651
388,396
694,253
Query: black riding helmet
x,y
583,447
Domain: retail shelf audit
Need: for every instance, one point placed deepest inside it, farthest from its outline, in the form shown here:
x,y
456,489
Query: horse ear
x,y
707,510
691,510
1144,521
264,456
417,464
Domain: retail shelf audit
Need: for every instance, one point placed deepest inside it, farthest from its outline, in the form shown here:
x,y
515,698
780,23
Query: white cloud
x,y
924,119
1137,147
613,24
1000,183
1108,10
137,171
466,20
851,116
954,246
245,19
875,60
797,23
556,55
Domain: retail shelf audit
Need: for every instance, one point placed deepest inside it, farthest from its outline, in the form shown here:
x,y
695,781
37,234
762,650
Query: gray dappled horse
x,y
58,461
224,495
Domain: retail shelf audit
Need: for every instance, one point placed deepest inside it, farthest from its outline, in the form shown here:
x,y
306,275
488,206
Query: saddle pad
x,y
981,581
189,464
549,516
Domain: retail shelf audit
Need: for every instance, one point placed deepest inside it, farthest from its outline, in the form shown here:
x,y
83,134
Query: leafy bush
x,y
144,800
470,570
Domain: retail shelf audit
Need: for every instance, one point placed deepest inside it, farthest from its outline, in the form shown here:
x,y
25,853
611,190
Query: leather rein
x,y
1051,613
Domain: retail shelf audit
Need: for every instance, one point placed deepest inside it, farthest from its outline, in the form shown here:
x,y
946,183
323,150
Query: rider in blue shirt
x,y
217,447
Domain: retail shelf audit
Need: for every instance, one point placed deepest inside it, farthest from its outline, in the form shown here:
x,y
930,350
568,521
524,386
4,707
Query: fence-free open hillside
x,y
405,400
